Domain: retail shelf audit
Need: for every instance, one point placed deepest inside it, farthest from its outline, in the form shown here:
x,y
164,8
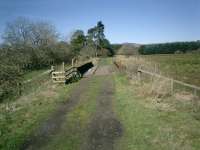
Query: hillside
x,y
128,49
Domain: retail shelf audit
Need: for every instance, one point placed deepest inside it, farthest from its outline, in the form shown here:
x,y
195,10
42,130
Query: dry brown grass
x,y
184,96
156,90
155,86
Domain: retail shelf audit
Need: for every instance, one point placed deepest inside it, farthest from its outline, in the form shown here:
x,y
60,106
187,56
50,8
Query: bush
x,y
17,60
10,79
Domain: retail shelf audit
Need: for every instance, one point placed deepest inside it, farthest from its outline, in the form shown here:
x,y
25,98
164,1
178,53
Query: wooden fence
x,y
75,71
171,80
63,76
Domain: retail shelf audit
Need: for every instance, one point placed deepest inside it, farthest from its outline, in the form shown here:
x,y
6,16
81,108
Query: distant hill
x,y
128,49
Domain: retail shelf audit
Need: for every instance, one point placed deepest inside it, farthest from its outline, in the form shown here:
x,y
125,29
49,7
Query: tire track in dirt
x,y
104,127
52,126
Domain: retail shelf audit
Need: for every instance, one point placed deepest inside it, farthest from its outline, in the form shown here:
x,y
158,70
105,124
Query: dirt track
x,y
49,128
103,128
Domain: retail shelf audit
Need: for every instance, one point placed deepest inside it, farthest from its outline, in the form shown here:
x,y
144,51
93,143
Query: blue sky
x,y
138,21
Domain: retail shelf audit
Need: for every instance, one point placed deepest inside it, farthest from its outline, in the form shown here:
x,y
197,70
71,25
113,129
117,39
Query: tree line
x,y
93,43
169,48
30,45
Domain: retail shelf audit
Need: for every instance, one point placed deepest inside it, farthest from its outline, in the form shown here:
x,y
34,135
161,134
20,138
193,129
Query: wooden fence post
x,y
172,86
19,88
139,74
72,62
63,66
155,68
52,68
195,93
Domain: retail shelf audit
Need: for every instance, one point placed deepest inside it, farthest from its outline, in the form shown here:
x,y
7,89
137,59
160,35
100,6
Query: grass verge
x,y
18,118
149,128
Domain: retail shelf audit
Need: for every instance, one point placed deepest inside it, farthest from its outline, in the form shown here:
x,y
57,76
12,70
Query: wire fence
x,y
174,84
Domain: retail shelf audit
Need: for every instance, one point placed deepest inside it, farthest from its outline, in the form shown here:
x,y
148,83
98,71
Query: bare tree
x,y
43,33
17,32
26,33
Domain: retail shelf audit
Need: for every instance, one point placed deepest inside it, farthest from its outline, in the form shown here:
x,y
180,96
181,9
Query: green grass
x,y
105,61
184,67
33,74
30,82
18,118
33,80
144,126
148,128
75,127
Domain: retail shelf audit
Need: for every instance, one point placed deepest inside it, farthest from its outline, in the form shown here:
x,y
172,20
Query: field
x,y
183,67
105,111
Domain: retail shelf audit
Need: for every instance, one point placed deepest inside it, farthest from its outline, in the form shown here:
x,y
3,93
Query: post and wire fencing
x,y
165,92
195,89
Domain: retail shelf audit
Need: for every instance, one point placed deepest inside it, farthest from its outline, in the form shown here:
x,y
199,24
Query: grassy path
x,y
85,120
104,127
73,129
53,125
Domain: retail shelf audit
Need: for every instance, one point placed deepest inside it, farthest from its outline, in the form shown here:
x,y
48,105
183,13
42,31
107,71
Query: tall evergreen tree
x,y
78,41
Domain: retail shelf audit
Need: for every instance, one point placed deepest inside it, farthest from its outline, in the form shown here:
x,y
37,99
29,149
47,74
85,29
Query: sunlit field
x,y
183,67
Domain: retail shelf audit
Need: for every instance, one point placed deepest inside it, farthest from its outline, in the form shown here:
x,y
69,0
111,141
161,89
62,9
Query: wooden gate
x,y
63,76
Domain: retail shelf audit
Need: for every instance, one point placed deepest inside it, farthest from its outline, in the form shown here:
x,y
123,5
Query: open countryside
x,y
89,92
